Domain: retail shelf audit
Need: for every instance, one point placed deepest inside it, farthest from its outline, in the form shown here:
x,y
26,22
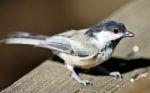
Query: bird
x,y
85,48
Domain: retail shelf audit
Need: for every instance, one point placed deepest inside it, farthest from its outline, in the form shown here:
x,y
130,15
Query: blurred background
x,y
43,17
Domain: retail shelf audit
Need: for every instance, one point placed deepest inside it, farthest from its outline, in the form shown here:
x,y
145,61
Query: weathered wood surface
x,y
52,77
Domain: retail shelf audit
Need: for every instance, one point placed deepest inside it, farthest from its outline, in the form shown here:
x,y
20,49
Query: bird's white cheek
x,y
104,36
107,36
116,36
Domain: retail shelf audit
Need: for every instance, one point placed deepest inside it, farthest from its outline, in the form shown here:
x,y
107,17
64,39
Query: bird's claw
x,y
116,74
85,82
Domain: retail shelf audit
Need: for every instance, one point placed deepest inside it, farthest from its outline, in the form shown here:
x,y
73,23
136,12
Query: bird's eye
x,y
115,31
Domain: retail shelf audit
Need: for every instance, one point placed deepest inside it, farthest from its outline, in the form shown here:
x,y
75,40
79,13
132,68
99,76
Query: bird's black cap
x,y
106,25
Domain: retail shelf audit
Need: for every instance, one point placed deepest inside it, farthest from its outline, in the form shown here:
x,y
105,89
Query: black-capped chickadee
x,y
84,48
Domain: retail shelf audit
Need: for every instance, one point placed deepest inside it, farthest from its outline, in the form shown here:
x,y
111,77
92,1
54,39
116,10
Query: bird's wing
x,y
73,43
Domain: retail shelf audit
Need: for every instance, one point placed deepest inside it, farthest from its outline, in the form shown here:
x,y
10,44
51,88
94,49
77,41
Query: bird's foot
x,y
116,74
77,78
84,82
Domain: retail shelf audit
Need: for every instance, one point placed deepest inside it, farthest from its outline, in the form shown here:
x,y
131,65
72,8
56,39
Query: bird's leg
x,y
75,76
113,73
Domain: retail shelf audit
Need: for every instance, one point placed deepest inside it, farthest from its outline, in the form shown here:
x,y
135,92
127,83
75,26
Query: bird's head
x,y
109,30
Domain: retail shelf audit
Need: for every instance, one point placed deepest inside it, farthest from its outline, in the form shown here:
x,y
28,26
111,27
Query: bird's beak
x,y
128,34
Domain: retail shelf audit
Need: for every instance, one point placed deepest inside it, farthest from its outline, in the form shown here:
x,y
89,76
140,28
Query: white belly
x,y
82,62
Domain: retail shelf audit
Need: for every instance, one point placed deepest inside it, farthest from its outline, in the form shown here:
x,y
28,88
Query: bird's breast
x,y
82,62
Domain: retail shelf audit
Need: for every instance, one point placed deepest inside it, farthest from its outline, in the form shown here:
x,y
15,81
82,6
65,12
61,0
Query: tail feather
x,y
37,40
26,35
25,38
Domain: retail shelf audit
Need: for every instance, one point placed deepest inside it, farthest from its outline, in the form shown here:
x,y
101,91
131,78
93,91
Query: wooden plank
x,y
47,78
52,77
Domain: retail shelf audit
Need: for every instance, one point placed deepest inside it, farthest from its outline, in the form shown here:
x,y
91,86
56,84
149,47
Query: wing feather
x,y
71,43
